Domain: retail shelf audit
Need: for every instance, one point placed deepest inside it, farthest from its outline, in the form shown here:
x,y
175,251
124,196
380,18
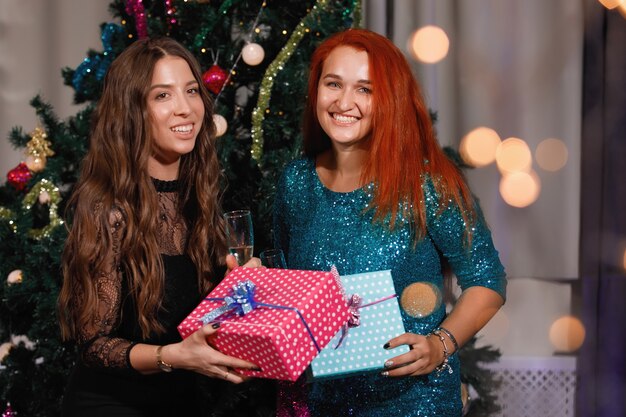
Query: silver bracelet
x,y
450,336
443,365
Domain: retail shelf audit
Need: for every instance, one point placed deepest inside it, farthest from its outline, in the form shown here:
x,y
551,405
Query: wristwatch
x,y
165,367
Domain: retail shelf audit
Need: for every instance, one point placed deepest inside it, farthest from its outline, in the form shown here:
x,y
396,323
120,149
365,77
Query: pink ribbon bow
x,y
354,305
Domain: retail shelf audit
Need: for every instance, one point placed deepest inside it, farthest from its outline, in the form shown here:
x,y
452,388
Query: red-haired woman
x,y
146,241
374,192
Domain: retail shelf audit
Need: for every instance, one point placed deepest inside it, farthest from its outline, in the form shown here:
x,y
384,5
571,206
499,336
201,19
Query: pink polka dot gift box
x,y
278,319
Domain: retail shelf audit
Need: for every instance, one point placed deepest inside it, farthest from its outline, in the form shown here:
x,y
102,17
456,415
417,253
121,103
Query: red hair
x,y
402,147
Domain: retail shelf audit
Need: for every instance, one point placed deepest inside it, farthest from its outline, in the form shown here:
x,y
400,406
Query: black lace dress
x,y
103,383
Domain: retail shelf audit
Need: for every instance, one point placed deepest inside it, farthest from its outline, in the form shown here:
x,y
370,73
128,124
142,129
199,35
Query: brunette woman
x,y
146,241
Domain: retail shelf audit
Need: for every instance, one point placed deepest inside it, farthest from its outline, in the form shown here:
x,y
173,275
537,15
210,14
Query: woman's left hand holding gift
x,y
195,354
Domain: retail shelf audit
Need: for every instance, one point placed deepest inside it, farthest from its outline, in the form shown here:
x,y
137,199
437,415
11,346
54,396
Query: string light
x,y
255,56
232,69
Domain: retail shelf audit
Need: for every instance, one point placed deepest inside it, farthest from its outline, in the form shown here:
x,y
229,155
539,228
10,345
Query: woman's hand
x,y
194,353
231,263
425,355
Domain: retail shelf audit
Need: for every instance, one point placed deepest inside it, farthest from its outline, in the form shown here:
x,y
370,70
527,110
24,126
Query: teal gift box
x,y
360,349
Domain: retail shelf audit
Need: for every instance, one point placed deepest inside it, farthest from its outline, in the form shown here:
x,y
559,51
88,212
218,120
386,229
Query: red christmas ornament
x,y
19,176
214,79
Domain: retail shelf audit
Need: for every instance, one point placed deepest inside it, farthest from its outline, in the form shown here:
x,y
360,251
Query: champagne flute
x,y
240,234
273,258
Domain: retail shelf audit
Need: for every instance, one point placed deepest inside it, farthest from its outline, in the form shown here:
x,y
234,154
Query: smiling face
x,y
176,113
344,97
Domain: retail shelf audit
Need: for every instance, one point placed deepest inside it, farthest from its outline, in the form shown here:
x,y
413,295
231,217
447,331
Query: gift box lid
x,y
361,349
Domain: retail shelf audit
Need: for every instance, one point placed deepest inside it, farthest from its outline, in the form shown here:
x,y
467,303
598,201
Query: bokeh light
x,y
567,334
551,154
429,44
611,4
478,147
420,299
520,189
513,155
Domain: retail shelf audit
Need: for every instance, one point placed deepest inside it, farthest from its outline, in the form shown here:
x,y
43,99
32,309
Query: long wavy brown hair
x,y
402,146
114,177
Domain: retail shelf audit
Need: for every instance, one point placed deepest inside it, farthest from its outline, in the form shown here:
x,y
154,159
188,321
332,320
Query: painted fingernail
x,y
216,325
388,364
386,346
257,369
384,373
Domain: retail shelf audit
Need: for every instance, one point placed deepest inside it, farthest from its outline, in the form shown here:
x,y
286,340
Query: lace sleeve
x,y
279,223
98,345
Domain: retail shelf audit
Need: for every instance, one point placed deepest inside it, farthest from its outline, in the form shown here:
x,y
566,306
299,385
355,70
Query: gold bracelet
x,y
164,366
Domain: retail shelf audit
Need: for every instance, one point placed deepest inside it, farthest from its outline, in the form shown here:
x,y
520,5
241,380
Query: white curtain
x,y
37,39
516,67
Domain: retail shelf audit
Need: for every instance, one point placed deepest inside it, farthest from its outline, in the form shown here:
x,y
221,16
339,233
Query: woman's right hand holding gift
x,y
231,263
425,356
476,306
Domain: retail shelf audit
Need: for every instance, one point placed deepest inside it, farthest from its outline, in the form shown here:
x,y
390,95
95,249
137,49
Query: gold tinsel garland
x,y
265,91
55,197
7,215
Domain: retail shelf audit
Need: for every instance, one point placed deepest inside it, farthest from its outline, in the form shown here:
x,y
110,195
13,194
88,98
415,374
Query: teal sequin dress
x,y
318,228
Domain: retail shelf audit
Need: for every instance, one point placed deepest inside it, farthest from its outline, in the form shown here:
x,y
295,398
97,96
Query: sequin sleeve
x,y
99,347
476,264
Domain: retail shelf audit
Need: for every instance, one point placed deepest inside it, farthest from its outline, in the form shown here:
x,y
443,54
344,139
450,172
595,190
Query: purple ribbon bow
x,y
240,302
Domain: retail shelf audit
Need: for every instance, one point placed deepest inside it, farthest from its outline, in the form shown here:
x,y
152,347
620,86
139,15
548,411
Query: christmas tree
x,y
255,57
